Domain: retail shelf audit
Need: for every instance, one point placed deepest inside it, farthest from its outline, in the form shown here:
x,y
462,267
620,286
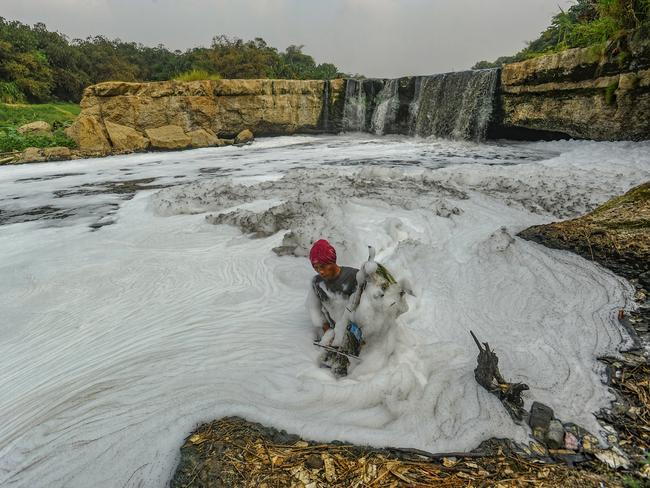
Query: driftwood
x,y
487,375
6,160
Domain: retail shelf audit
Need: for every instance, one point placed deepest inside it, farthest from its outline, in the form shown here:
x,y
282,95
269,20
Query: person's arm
x,y
315,310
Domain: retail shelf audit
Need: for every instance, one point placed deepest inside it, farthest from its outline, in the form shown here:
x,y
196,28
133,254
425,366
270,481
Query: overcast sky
x,y
380,38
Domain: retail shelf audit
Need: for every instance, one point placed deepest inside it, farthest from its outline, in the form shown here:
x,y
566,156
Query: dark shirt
x,y
345,283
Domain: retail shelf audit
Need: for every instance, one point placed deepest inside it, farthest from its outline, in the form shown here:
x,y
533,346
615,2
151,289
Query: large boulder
x,y
89,134
244,136
32,155
38,127
58,153
125,139
168,137
203,138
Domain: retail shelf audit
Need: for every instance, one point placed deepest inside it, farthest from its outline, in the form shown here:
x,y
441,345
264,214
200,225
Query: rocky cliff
x,y
582,93
579,93
122,117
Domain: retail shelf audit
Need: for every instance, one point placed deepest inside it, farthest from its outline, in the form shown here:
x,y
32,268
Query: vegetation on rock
x,y
37,65
587,23
197,75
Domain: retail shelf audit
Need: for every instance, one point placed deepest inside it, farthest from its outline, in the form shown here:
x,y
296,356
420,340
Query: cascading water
x,y
414,106
354,110
451,105
456,105
325,114
386,111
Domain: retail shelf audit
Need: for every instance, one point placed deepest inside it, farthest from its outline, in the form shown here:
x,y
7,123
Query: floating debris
x,y
488,376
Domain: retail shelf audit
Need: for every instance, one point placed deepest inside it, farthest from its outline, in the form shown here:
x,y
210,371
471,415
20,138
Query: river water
x,y
128,316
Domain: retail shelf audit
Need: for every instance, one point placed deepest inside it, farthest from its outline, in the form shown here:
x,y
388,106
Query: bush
x,y
9,93
588,23
11,140
596,32
197,75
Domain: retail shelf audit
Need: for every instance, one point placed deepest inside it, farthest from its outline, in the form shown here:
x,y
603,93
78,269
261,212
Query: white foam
x,y
115,344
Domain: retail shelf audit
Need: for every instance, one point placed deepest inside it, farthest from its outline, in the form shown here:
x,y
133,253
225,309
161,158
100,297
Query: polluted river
x,y
145,294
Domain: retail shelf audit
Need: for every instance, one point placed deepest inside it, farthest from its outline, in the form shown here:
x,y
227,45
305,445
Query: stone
x,y
589,443
125,139
540,416
538,449
32,155
168,137
58,153
555,435
38,127
614,458
628,81
244,136
571,442
89,134
203,138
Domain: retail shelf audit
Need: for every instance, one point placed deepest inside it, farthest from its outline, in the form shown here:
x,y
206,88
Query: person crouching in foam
x,y
328,297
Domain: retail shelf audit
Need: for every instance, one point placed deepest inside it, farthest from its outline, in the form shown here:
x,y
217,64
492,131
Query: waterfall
x,y
354,110
414,108
456,105
451,105
386,110
325,113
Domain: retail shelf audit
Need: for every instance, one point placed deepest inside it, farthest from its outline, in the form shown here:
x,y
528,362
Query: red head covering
x,y
322,252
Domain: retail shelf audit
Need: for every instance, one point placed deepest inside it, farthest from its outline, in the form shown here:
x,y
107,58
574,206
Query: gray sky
x,y
381,38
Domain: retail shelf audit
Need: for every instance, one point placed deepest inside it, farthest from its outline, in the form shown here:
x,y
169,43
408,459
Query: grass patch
x,y
197,75
636,195
17,114
12,116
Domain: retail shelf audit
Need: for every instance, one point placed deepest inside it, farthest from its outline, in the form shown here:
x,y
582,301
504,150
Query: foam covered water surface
x,y
134,313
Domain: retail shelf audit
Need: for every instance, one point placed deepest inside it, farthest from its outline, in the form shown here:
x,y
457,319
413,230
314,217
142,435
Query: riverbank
x,y
236,453
616,235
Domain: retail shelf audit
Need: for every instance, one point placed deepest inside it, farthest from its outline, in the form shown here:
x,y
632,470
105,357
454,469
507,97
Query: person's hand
x,y
327,338
326,327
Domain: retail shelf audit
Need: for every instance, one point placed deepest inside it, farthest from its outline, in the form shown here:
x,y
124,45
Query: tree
x,y
41,65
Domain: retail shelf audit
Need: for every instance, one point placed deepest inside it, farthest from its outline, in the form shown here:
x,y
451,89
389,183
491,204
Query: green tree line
x,y
587,23
38,65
